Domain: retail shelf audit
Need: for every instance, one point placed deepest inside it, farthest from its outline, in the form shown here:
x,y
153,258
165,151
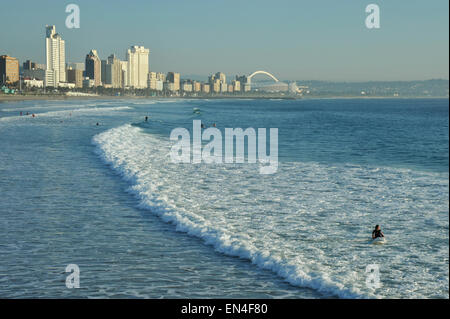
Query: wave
x,y
308,224
68,112
54,105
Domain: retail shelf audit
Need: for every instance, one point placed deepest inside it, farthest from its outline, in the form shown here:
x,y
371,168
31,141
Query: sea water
x,y
109,199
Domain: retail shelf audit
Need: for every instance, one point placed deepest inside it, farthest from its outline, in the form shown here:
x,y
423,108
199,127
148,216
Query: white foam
x,y
56,106
68,112
309,223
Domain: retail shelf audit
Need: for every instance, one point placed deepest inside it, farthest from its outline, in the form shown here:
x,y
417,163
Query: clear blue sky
x,y
293,39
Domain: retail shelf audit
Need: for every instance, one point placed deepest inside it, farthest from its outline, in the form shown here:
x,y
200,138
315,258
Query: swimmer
x,y
377,232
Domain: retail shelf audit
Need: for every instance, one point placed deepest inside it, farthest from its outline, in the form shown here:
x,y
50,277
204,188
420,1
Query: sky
x,y
292,39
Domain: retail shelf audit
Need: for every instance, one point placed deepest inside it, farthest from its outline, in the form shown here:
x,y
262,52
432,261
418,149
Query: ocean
x,y
109,199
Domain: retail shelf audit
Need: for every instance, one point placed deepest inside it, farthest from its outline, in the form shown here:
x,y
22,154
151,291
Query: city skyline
x,y
133,73
290,40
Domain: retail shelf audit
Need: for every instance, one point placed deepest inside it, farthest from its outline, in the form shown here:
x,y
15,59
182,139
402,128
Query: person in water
x,y
377,232
146,119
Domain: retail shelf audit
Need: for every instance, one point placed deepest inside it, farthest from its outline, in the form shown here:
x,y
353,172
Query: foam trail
x,y
309,223
112,147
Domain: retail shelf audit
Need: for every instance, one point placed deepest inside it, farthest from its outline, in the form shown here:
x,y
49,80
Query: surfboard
x,y
379,241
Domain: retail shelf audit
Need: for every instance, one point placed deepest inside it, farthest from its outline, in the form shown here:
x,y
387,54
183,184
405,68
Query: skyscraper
x,y
93,67
55,70
244,83
137,57
29,65
221,76
9,70
124,67
152,80
218,82
112,71
236,85
75,76
174,78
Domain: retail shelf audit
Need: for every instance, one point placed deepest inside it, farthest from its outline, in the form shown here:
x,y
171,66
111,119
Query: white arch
x,y
249,78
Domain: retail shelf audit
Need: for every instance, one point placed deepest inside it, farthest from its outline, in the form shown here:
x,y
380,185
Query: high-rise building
x,y
156,81
9,70
124,67
151,80
93,68
245,85
186,86
112,71
137,57
205,87
236,85
75,76
211,80
174,78
103,64
221,76
160,76
216,86
218,82
55,70
28,65
169,86
197,86
223,87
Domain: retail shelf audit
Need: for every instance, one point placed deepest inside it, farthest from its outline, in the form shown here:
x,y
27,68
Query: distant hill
x,y
428,88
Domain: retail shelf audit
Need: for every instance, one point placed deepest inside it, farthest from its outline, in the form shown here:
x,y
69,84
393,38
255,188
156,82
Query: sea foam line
x,y
108,145
72,112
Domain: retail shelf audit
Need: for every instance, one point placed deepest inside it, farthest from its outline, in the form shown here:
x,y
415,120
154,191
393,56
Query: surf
x,y
308,223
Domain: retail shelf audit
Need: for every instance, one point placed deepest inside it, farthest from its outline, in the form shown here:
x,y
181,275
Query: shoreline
x,y
12,98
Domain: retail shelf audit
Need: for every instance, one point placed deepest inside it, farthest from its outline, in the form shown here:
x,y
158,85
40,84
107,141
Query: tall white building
x,y
55,70
137,73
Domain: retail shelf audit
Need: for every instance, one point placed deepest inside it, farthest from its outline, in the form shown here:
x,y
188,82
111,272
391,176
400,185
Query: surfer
x,y
146,119
377,232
